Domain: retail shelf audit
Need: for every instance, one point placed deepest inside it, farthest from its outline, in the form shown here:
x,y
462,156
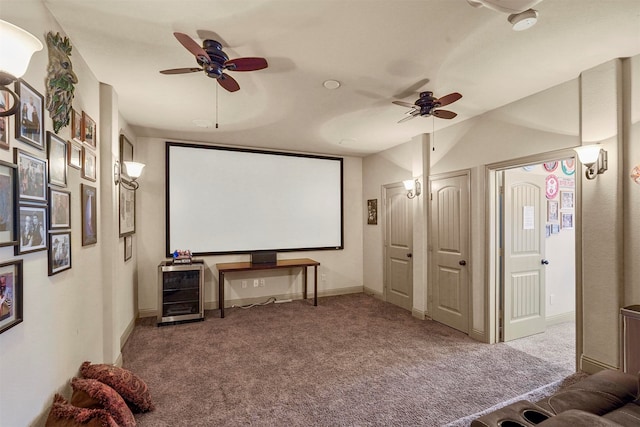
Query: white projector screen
x,y
230,200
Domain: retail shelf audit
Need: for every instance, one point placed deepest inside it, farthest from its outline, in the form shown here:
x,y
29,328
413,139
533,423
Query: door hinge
x,y
431,196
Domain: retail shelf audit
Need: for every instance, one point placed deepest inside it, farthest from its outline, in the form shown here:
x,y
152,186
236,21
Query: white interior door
x,y
450,251
523,279
398,247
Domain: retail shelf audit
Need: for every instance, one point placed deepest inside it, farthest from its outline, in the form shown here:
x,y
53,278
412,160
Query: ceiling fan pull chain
x,y
433,132
216,106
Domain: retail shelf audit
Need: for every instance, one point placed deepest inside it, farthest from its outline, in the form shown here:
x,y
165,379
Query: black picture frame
x,y
57,160
7,204
32,177
128,248
372,211
10,294
31,229
59,209
59,251
126,155
89,161
30,117
89,214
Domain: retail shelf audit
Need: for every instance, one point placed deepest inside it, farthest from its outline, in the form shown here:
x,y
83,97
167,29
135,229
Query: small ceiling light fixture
x,y
16,48
132,169
593,158
331,84
413,188
523,20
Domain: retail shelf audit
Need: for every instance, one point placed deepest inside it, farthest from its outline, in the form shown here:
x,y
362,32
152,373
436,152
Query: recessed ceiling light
x,y
202,123
331,84
523,20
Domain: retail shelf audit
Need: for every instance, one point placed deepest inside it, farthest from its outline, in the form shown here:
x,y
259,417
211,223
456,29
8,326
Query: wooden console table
x,y
232,267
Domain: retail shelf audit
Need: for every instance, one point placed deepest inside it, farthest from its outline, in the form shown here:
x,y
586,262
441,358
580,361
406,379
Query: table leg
x,y
315,285
304,282
221,293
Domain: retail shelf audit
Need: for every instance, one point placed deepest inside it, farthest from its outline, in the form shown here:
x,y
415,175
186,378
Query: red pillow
x,y
132,389
64,414
90,393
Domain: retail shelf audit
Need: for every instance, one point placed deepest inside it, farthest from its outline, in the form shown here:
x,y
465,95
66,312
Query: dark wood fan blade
x,y
180,70
192,46
246,64
406,118
403,104
444,114
229,83
448,99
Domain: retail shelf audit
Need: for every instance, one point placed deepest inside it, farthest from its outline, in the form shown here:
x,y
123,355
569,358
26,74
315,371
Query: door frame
x,y
492,261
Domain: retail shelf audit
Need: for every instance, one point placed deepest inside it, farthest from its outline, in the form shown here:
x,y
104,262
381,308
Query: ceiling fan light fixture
x,y
523,20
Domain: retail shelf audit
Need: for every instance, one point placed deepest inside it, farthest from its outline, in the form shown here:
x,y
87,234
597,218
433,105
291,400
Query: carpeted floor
x,y
351,361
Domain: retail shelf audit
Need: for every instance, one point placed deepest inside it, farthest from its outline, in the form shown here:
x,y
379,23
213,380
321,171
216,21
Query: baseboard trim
x,y
375,294
418,314
592,366
118,361
147,312
560,318
127,332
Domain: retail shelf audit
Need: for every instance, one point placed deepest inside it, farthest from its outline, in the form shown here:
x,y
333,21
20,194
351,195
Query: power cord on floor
x,y
270,300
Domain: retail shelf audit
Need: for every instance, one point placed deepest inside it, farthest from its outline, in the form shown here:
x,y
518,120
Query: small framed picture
x,y
555,228
59,252
127,209
128,247
89,213
4,121
7,200
59,209
74,155
547,230
552,211
57,157
567,219
32,177
566,200
10,294
126,155
89,129
29,118
76,125
88,164
372,211
32,230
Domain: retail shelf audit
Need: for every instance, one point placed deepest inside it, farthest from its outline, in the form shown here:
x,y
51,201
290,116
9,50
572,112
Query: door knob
x,y
462,262
544,262
409,255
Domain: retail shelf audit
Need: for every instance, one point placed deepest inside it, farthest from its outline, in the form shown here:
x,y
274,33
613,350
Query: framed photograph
x,y
88,164
32,177
89,214
567,219
59,252
29,118
59,209
555,228
372,211
127,211
126,155
74,155
7,200
552,211
566,200
10,294
57,157
128,247
4,121
32,229
89,129
76,125
547,230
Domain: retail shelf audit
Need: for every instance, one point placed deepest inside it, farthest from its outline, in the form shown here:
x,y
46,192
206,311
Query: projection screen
x,y
229,200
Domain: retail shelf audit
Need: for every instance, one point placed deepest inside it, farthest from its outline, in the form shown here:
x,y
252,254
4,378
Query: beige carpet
x,y
351,361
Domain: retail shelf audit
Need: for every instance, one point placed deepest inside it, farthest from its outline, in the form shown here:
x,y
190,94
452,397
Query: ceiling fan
x,y
214,62
427,105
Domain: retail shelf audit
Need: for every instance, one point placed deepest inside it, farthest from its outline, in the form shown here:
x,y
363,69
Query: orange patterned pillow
x,y
64,414
132,389
90,393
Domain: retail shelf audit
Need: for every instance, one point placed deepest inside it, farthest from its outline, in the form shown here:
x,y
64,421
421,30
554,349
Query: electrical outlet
x,y
262,282
552,299
244,284
255,283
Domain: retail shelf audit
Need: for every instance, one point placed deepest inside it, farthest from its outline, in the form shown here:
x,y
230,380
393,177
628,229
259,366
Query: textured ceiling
x,y
379,51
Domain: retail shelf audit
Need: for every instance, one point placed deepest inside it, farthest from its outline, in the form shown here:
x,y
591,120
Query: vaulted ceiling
x,y
379,51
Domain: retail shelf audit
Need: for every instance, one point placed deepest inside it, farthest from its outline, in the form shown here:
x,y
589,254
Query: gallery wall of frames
x,y
35,198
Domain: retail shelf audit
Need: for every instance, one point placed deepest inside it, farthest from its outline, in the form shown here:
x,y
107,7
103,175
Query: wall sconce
x,y
132,169
16,48
413,188
594,158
